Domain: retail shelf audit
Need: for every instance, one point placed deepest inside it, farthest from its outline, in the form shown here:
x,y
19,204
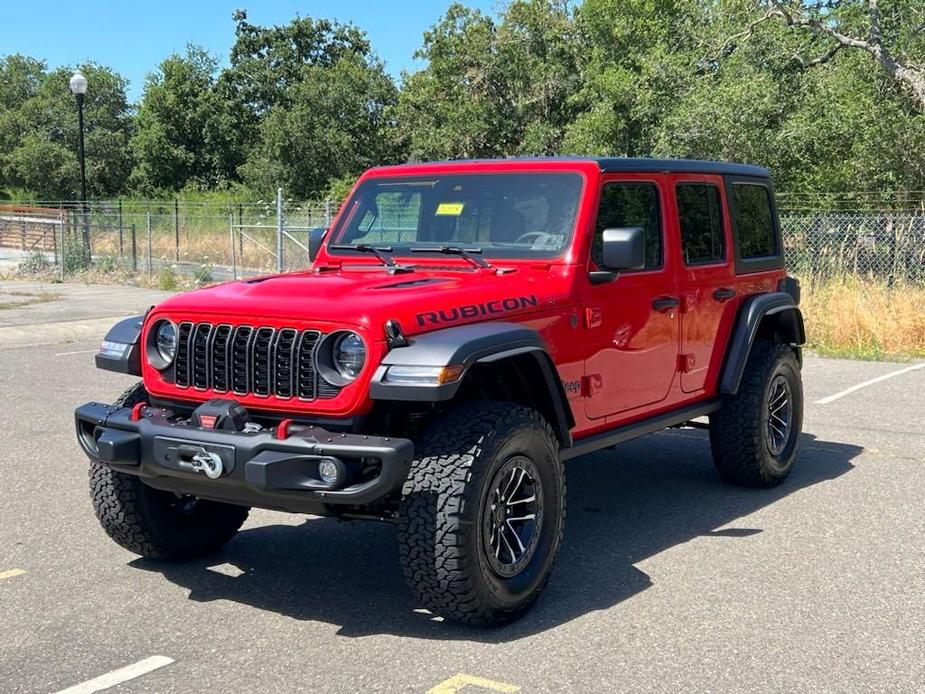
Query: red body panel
x,y
620,360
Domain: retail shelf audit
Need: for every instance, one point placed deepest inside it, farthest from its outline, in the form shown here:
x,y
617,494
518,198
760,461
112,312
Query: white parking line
x,y
461,681
80,351
124,674
852,389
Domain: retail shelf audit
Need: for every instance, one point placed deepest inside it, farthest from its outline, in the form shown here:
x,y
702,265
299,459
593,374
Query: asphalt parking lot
x,y
669,580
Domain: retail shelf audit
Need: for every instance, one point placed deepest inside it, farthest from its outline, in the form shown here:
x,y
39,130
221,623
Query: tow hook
x,y
208,463
200,460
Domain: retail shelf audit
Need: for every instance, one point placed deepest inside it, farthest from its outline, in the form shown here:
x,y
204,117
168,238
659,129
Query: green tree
x,y
720,80
493,88
333,123
38,130
640,55
267,62
186,132
815,110
20,78
891,33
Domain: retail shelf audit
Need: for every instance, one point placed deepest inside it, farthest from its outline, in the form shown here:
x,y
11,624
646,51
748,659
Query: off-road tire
x,y
738,430
441,541
132,396
155,523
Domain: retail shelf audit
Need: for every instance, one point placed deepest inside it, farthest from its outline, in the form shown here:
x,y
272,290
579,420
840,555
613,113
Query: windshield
x,y
500,215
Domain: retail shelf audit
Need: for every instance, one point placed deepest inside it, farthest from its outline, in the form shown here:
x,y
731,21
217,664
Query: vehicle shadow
x,y
624,505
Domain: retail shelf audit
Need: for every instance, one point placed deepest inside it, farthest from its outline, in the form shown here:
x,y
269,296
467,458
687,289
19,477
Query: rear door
x,y
705,276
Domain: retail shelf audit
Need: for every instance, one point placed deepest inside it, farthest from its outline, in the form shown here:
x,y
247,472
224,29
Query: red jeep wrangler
x,y
465,328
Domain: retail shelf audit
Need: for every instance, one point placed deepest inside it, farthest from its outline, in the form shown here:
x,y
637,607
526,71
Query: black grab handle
x,y
663,303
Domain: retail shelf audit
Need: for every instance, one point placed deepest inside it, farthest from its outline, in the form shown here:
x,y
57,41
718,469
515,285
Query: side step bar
x,y
637,429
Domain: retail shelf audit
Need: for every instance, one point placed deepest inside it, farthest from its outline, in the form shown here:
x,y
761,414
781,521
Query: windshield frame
x,y
404,250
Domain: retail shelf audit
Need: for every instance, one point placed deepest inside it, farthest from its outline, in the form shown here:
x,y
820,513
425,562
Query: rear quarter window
x,y
753,220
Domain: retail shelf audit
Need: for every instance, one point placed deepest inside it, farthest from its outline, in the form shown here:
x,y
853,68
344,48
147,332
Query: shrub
x,y
105,263
75,259
202,275
167,279
35,264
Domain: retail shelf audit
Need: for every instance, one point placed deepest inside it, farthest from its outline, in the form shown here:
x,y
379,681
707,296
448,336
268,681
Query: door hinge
x,y
592,385
594,316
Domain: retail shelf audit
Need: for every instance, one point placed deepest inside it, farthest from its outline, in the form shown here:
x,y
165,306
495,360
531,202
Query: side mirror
x,y
315,241
625,248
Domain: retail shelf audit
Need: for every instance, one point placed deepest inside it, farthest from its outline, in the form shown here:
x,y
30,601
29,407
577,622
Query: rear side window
x,y
753,221
630,205
701,220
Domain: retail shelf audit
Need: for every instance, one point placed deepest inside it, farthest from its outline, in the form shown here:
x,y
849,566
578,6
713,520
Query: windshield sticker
x,y
449,209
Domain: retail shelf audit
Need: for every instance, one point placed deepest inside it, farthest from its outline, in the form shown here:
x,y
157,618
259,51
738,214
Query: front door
x,y
631,322
705,276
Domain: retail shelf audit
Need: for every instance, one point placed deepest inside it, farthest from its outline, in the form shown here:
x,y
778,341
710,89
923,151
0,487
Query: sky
x,y
133,36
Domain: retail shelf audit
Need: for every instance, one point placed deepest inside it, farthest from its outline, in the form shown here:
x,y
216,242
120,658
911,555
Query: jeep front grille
x,y
245,360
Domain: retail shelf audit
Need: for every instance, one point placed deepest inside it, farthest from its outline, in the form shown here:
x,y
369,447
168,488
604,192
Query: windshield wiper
x,y
466,253
379,251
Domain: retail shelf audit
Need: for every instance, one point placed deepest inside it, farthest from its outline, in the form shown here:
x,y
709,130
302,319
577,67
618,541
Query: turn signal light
x,y
424,375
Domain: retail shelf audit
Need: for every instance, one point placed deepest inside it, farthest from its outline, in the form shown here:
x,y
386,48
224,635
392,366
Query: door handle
x,y
663,303
724,294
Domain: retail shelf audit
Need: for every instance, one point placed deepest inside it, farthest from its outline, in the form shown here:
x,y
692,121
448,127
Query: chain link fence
x,y
205,241
214,242
882,246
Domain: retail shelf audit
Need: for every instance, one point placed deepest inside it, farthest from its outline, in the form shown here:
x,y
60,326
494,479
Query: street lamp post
x,y
78,85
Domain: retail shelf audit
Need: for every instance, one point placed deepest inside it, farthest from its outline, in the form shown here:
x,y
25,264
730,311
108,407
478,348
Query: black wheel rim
x,y
780,415
512,517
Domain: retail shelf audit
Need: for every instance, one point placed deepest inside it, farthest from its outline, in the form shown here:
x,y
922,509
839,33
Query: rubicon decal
x,y
456,313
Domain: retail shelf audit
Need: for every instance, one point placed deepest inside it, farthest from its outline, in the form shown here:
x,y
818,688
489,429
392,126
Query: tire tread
x,y
438,559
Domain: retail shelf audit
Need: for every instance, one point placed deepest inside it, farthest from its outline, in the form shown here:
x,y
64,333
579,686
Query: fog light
x,y
330,471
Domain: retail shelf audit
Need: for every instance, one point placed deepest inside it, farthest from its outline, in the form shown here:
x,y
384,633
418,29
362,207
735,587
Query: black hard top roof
x,y
628,164
638,165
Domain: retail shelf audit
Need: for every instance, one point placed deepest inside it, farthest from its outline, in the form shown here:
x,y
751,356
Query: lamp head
x,y
78,84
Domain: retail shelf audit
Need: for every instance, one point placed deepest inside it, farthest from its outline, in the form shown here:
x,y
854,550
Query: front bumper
x,y
257,468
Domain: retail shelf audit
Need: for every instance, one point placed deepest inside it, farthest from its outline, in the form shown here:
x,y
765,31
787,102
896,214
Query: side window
x,y
701,219
753,221
630,205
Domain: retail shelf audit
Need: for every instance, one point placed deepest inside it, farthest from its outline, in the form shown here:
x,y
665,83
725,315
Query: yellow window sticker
x,y
450,209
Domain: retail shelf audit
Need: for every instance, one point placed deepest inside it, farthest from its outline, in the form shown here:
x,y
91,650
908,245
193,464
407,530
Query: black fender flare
x,y
121,348
788,324
466,346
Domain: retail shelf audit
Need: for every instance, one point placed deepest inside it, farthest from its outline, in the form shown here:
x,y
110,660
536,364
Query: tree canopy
x,y
828,94
38,130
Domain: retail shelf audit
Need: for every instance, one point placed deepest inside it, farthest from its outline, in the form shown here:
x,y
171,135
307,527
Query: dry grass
x,y
865,320
24,298
256,250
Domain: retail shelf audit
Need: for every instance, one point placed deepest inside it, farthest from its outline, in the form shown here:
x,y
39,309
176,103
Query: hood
x,y
420,300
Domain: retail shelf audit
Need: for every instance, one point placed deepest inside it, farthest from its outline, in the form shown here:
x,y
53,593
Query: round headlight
x,y
349,355
165,341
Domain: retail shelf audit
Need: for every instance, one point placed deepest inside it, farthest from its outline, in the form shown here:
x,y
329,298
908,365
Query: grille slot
x,y
200,362
239,367
307,381
260,361
284,360
221,342
181,361
247,360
